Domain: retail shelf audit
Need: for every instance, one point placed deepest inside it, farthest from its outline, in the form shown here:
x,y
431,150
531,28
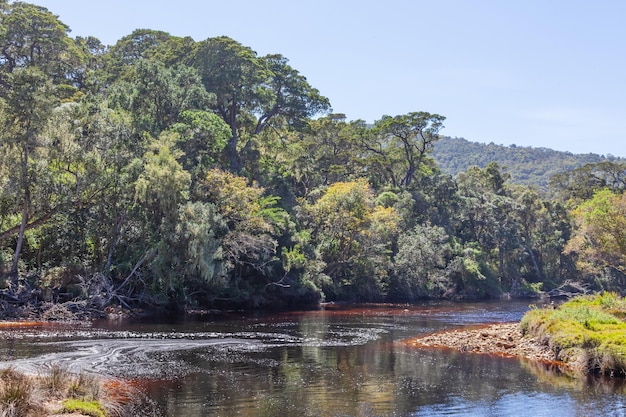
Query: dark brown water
x,y
336,361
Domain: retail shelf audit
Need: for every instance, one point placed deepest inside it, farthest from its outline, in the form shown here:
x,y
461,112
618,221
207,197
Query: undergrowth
x,y
587,332
24,395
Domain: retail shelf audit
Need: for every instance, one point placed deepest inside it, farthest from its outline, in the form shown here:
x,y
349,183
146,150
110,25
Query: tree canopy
x,y
164,171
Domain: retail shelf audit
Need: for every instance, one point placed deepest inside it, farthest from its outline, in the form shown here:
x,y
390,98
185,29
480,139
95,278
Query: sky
x,y
540,73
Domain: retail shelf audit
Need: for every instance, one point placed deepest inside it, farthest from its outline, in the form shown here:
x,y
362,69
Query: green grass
x,y
588,332
90,408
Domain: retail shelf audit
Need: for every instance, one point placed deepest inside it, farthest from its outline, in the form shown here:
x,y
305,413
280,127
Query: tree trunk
x,y
535,264
231,148
25,211
114,241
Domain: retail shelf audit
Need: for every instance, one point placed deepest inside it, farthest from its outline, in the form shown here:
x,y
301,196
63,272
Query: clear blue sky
x,y
542,73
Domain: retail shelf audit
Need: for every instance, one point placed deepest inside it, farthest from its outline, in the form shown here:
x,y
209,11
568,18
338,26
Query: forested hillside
x,y
526,165
181,173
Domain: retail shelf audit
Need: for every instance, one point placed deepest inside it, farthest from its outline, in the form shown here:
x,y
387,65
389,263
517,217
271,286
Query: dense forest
x,y
526,165
165,171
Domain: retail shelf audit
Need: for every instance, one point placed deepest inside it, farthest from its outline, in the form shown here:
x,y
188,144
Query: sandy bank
x,y
504,339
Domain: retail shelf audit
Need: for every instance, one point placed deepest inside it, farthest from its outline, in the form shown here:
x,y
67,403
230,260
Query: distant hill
x,y
525,164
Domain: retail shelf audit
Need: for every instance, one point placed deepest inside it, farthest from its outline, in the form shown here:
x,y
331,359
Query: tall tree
x,y
29,103
31,36
233,73
252,91
286,93
398,145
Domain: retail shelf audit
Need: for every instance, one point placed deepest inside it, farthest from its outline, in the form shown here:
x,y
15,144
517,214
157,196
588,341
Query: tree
x,y
29,103
34,37
161,189
250,257
353,236
286,93
488,221
325,153
398,145
253,91
580,184
600,240
420,266
233,73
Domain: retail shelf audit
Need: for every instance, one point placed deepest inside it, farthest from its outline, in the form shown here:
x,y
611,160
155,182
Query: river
x,y
339,360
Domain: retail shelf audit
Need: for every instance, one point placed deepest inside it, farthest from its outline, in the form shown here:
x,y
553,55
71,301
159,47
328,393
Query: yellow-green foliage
x,y
90,408
587,331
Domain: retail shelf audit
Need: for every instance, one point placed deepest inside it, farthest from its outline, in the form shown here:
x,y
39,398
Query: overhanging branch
x,y
10,232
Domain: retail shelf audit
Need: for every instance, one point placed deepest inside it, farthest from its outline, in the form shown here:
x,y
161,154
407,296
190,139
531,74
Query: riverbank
x,y
503,339
59,393
586,335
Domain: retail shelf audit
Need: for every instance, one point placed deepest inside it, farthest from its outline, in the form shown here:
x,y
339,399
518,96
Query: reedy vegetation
x,y
169,171
58,391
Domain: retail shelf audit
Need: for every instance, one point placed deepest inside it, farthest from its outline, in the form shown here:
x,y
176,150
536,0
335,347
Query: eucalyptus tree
x,y
487,220
93,155
252,92
398,146
202,137
36,58
421,264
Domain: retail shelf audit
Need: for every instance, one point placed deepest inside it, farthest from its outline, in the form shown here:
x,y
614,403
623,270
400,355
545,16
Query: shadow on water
x,y
340,360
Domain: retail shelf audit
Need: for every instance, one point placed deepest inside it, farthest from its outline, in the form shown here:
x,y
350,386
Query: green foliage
x,y
158,94
581,183
199,231
353,236
32,37
202,137
89,408
252,92
585,332
163,184
198,173
420,267
600,240
397,146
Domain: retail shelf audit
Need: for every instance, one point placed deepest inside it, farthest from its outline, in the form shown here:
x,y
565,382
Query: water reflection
x,y
337,361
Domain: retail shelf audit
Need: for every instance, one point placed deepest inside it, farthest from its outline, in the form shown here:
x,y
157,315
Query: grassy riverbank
x,y
588,332
60,393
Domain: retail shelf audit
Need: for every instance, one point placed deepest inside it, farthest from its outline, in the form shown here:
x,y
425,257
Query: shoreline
x,y
500,339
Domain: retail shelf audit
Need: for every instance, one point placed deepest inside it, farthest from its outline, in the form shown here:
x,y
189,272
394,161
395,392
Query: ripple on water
x,y
518,404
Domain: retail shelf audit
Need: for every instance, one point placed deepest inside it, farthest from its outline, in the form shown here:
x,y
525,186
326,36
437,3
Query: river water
x,y
339,360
